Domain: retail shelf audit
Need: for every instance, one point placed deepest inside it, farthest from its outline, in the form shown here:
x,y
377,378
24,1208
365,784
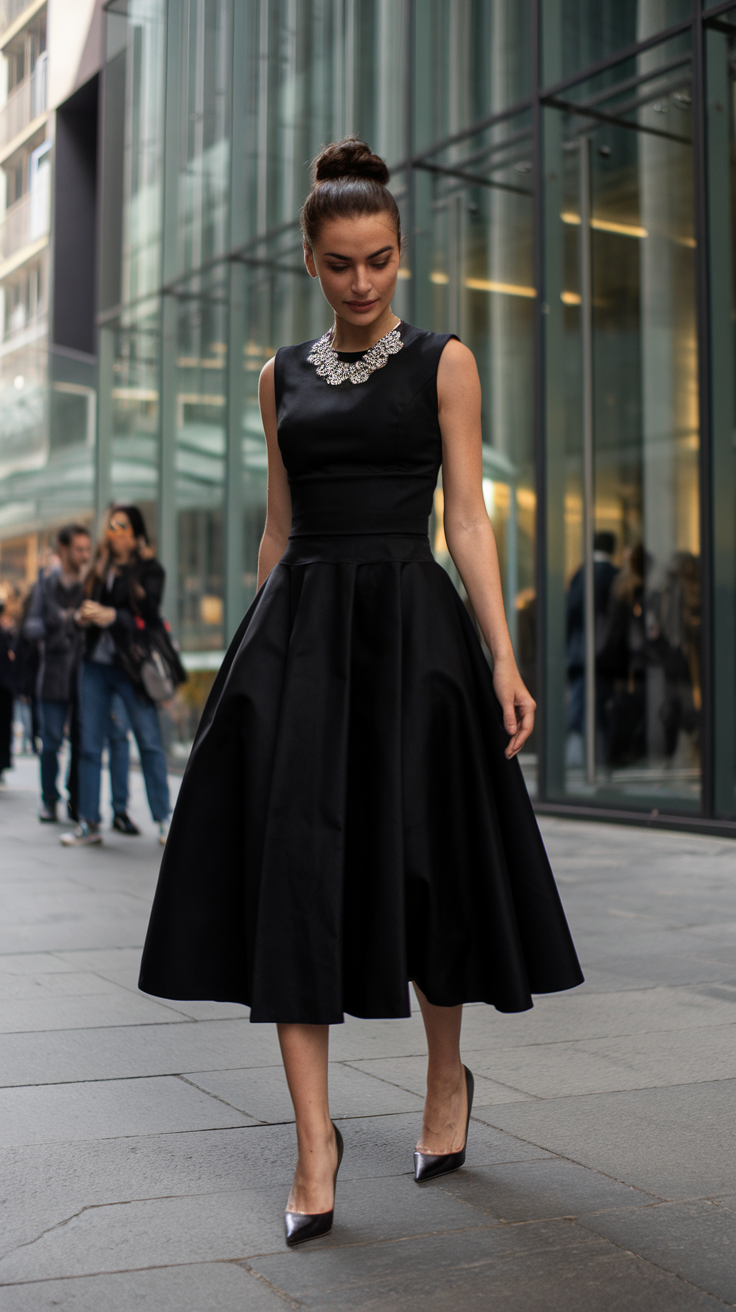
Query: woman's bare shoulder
x,y
457,371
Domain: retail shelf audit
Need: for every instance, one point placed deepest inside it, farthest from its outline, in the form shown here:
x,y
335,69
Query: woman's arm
x,y
469,535
278,513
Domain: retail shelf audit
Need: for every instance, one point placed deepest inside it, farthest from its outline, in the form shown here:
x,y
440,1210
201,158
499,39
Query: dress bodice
x,y
361,458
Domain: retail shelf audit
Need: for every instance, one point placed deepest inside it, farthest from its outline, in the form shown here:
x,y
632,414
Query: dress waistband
x,y
369,504
369,547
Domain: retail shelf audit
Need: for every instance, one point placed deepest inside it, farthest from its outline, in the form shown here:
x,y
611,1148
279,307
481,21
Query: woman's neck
x,y
355,337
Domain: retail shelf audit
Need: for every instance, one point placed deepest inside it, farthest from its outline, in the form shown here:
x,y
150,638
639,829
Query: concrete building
x,y
565,172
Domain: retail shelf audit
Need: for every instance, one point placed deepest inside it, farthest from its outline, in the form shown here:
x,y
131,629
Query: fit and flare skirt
x,y
348,821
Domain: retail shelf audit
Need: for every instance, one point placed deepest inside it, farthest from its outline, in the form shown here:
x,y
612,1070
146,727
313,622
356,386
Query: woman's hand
x,y
91,612
517,704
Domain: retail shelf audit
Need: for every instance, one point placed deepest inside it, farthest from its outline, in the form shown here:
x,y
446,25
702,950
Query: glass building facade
x,y
566,171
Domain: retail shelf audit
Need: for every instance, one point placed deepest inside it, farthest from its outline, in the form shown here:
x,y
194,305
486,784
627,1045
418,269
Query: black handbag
x,y
152,661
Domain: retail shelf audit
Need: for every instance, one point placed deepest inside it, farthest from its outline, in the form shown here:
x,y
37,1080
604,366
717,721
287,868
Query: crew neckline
x,y
356,355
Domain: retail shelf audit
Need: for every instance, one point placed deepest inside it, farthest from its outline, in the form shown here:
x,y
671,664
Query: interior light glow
x,y
505,288
606,225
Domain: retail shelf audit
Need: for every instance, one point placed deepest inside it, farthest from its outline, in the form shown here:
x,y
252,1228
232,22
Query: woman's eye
x,y
338,268
382,265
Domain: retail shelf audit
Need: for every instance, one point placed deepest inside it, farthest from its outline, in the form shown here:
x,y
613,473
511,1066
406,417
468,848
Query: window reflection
x,y
135,348
201,399
479,52
628,683
577,33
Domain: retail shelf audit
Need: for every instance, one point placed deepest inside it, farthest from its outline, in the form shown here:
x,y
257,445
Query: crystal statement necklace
x,y
336,371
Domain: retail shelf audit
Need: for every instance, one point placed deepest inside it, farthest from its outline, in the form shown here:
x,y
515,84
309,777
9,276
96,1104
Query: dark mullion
x,y
705,452
628,52
571,107
540,541
410,207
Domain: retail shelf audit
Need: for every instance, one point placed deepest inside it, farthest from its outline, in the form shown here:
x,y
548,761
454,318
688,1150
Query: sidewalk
x,y
146,1147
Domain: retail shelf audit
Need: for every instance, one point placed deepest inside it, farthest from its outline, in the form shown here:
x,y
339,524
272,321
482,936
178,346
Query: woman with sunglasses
x,y
123,593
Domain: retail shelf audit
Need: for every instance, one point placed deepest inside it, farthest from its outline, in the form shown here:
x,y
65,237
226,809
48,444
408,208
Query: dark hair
x,y
135,519
347,179
604,541
69,531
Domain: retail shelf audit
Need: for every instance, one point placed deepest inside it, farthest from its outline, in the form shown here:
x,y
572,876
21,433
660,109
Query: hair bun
x,y
349,158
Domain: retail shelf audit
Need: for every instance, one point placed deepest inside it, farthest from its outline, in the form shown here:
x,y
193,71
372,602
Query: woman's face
x,y
120,535
357,263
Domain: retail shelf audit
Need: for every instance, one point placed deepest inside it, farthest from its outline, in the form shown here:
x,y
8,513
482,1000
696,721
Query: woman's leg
x,y
446,1107
118,749
304,1050
95,695
144,722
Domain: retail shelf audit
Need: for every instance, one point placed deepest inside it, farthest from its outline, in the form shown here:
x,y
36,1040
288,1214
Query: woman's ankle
x,y
444,1081
315,1137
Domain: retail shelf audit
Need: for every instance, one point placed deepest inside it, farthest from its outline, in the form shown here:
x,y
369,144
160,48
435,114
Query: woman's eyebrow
x,y
335,256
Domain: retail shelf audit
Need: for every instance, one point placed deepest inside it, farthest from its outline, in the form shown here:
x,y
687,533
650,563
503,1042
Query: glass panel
x,y
475,277
205,60
201,368
623,510
317,71
143,148
472,59
720,49
578,33
134,418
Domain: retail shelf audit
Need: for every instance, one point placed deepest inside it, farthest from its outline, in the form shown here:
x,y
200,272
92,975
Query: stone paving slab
x,y
208,1287
53,1113
697,1240
674,1142
547,1267
146,1145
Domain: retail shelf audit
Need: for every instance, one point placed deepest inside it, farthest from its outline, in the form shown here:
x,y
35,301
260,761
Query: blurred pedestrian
x,y
604,573
58,593
7,685
27,660
123,594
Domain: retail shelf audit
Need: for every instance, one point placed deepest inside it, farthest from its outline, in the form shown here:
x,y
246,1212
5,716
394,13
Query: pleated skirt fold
x,y
348,820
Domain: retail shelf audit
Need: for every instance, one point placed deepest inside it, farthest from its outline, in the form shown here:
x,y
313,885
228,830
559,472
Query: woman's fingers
x,y
510,720
523,727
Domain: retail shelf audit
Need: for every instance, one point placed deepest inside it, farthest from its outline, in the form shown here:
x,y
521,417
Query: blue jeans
x,y
97,686
118,750
53,719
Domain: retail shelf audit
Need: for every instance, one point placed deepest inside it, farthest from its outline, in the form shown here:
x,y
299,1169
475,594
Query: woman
x,y
124,591
353,816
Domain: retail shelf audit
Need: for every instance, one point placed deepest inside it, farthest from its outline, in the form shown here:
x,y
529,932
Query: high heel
x,y
427,1166
301,1226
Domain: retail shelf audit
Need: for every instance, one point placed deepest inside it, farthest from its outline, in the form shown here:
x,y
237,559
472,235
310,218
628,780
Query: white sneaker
x,y
163,832
85,835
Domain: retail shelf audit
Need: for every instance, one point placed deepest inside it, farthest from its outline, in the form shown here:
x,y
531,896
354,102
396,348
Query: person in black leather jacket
x,y
123,595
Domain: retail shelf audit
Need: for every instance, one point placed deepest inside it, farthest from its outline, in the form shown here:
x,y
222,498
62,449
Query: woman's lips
x,y
361,306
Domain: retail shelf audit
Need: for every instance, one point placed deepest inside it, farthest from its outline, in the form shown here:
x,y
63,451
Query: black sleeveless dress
x,y
348,821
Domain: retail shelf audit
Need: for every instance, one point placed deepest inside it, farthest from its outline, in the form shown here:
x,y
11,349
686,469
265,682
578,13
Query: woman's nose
x,y
361,281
